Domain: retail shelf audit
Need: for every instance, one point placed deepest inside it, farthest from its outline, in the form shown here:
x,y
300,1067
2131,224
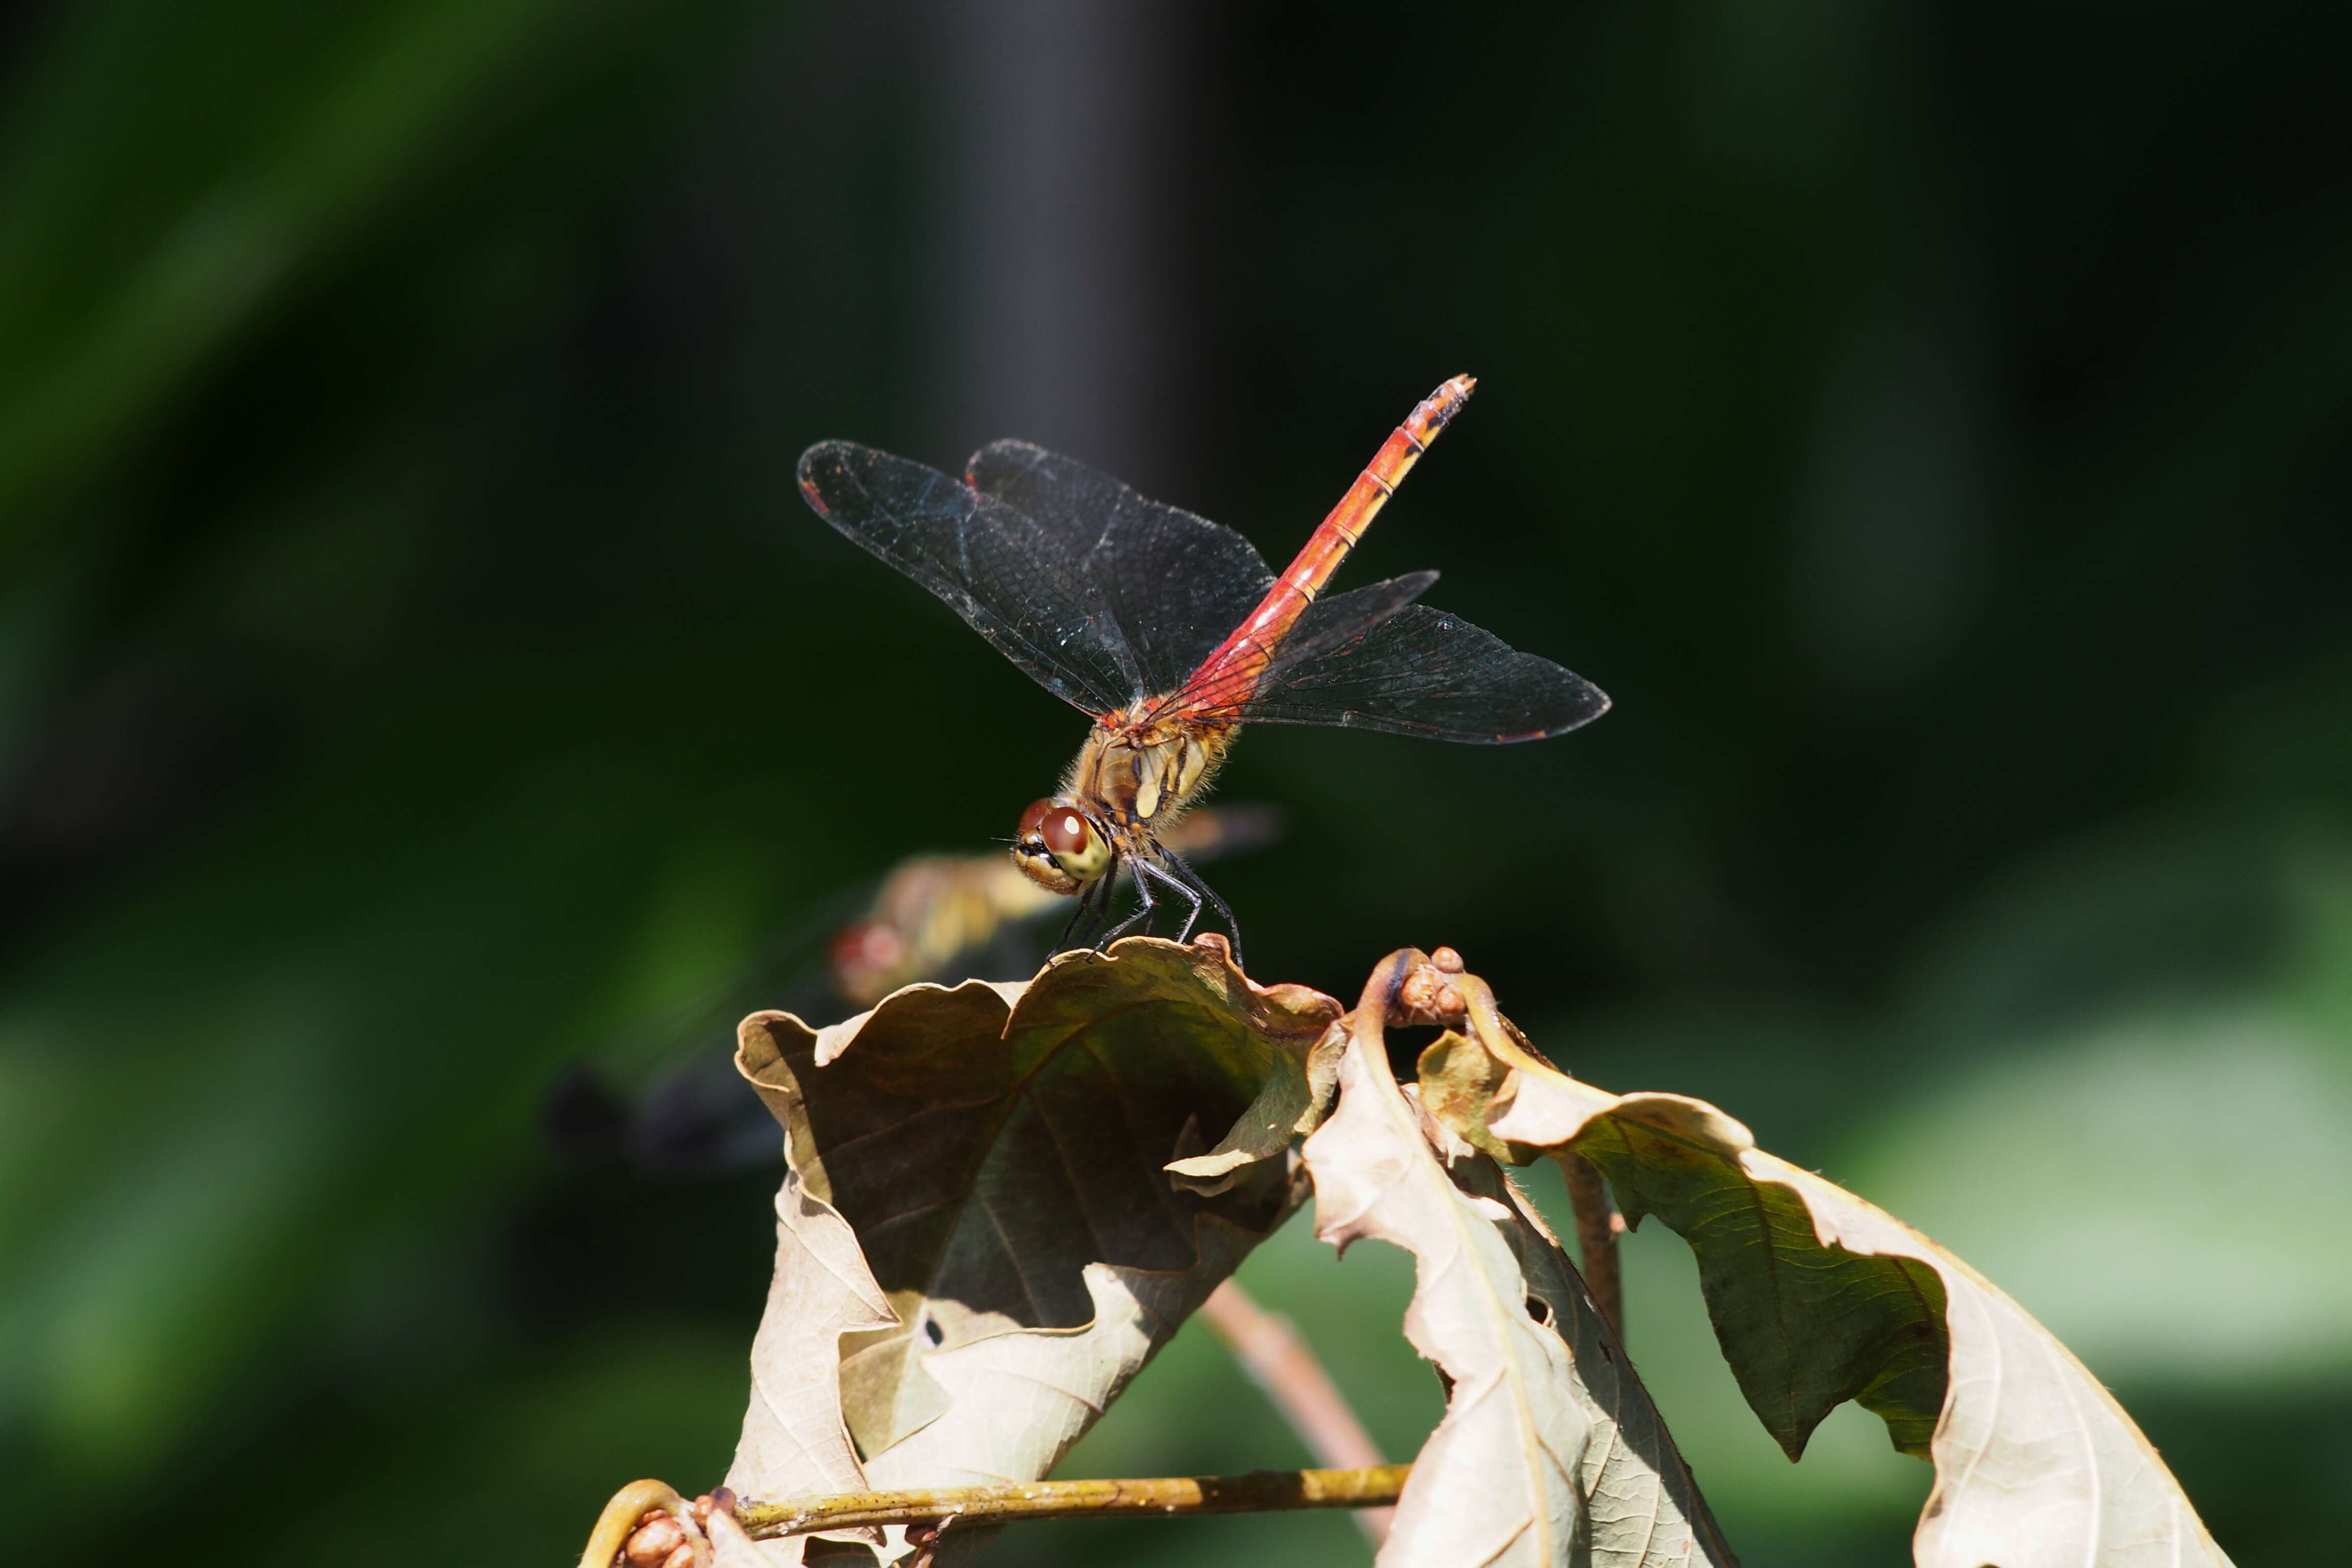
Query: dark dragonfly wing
x,y
1176,582
1016,581
1359,660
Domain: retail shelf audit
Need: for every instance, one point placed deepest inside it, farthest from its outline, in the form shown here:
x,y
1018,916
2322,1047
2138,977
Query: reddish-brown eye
x,y
1065,832
1059,848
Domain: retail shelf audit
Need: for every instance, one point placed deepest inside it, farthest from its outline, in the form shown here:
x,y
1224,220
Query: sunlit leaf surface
x,y
1550,1451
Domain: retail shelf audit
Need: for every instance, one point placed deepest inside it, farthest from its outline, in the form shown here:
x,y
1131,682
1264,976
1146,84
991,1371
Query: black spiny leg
x,y
1144,868
1093,893
1192,879
1142,887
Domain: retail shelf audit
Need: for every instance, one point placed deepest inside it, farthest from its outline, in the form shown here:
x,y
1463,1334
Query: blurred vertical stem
x,y
1282,1364
1598,1226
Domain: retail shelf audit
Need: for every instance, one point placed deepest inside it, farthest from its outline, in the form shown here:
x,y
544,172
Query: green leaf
x,y
1806,1327
1817,1297
1001,1156
1458,1081
177,171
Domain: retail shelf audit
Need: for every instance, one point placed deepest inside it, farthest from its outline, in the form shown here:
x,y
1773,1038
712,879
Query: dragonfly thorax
x,y
1139,774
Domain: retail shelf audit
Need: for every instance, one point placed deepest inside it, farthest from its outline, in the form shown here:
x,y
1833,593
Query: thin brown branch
x,y
1598,1226
1270,1349
1260,1491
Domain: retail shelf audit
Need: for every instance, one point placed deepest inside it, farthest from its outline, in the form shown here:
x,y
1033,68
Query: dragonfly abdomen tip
x,y
1444,403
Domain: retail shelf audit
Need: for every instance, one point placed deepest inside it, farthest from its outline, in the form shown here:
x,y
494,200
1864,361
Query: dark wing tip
x,y
1587,703
821,464
826,454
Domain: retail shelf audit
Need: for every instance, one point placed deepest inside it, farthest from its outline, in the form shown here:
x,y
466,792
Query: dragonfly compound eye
x,y
1059,848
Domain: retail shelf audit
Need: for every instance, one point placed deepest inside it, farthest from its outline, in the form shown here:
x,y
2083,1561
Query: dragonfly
x,y
1172,632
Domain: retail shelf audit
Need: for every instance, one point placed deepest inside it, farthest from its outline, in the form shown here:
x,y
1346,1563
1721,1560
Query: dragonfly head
x,y
1060,847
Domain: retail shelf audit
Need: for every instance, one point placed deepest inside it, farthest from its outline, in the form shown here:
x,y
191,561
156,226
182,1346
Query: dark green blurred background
x,y
418,675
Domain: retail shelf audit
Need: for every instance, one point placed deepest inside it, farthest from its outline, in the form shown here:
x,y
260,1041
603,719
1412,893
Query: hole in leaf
x,y
1540,1309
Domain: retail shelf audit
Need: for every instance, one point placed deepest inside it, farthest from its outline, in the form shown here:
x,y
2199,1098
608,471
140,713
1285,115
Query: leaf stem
x,y
1259,1491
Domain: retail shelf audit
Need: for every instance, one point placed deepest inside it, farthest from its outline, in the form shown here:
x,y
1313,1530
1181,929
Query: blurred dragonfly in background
x,y
933,917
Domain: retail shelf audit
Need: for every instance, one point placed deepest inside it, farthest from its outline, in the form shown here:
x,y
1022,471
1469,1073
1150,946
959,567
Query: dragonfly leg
x,y
1192,879
1062,942
1103,903
1143,886
1086,913
1185,932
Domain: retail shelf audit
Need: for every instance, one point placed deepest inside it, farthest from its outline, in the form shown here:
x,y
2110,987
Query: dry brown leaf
x,y
1818,1297
1550,1451
1011,1247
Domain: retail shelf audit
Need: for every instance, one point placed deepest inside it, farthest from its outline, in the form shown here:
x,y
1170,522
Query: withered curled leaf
x,y
1817,1297
999,1156
1550,1451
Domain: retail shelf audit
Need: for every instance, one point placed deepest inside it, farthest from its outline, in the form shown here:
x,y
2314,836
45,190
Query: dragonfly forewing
x,y
1011,578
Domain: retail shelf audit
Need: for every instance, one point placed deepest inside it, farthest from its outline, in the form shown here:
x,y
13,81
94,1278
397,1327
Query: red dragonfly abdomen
x,y
1230,672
